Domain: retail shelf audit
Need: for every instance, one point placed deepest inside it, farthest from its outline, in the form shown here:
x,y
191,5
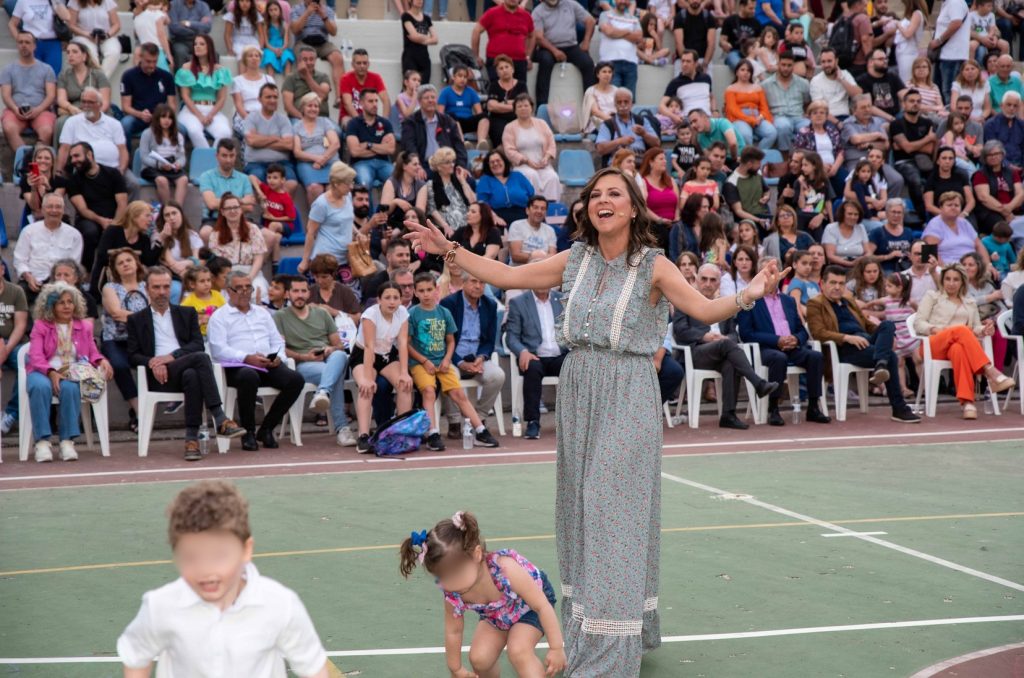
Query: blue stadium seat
x,y
202,159
771,156
297,236
19,159
575,167
545,114
137,169
288,266
557,209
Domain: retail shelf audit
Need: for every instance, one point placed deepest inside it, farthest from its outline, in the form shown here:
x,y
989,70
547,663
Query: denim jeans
x,y
133,126
428,7
12,364
40,394
765,133
785,128
259,170
372,169
624,74
945,74
50,52
732,59
329,376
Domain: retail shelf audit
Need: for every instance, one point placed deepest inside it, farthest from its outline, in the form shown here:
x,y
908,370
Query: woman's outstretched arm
x,y
540,274
669,281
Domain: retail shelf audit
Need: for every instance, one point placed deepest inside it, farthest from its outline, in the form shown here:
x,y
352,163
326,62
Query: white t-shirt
x,y
145,25
94,16
106,136
385,332
823,145
250,90
265,626
193,239
958,45
833,92
36,17
617,49
980,25
543,238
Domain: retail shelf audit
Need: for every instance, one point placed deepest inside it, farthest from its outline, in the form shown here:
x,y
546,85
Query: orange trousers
x,y
958,345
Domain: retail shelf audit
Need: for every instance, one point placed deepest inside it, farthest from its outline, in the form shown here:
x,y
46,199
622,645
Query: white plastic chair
x,y
515,379
933,370
308,388
792,380
841,373
97,411
1004,322
693,386
467,384
148,400
229,395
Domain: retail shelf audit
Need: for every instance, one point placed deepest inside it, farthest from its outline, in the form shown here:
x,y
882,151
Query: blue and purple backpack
x,y
401,434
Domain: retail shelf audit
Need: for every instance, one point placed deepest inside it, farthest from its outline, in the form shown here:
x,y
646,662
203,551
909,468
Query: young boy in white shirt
x,y
220,617
985,34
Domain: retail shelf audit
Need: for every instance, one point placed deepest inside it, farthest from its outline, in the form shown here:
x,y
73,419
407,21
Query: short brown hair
x,y
323,263
205,506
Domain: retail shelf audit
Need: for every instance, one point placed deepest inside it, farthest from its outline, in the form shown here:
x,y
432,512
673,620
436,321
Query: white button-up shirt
x,y
234,335
163,333
265,626
38,247
549,347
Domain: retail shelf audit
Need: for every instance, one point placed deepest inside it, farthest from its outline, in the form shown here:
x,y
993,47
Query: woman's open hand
x,y
427,238
766,281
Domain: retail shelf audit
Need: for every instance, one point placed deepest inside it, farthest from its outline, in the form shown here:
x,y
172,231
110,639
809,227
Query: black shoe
x,y
434,443
879,375
775,418
817,416
905,416
765,387
729,420
454,431
532,430
133,421
485,439
249,443
363,445
267,439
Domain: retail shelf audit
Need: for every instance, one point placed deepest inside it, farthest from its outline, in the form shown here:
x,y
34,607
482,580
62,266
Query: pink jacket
x,y
43,344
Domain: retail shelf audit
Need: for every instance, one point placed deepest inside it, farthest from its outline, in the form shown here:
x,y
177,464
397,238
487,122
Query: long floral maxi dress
x,y
608,504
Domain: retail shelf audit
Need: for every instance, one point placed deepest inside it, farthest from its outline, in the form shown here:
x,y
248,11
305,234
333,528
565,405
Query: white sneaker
x,y
346,438
321,402
67,451
44,452
7,423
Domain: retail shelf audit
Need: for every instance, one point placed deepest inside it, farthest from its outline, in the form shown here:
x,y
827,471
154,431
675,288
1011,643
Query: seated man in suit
x,y
476,320
716,347
167,341
774,324
530,335
833,315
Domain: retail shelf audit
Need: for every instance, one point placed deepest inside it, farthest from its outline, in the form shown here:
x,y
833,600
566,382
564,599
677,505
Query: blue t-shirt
x,y
763,18
369,134
459,106
146,91
213,180
886,243
515,192
428,329
808,289
1005,251
335,232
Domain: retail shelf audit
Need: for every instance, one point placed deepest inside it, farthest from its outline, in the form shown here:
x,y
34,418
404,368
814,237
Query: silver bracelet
x,y
740,304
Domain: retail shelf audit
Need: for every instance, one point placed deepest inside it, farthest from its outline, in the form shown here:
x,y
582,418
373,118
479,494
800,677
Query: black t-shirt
x,y
735,29
372,134
695,30
956,183
886,243
884,90
56,181
99,191
788,180
799,49
914,131
146,91
501,95
463,235
422,27
685,155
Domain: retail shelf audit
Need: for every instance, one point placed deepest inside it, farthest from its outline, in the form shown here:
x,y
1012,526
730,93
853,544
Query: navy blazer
x,y
522,330
488,309
756,325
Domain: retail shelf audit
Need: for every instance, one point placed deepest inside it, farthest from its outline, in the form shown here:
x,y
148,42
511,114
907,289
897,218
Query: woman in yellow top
x,y
746,107
200,295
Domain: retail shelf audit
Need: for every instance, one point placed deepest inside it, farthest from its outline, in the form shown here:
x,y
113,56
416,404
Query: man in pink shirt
x,y
510,31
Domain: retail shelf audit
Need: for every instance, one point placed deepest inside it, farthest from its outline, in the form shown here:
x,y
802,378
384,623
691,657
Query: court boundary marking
x,y
964,658
753,501
742,635
536,537
438,461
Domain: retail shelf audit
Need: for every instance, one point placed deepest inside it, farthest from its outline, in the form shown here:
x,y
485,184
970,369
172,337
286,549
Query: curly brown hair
x,y
205,506
640,233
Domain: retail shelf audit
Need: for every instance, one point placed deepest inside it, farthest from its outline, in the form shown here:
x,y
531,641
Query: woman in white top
x,y
909,35
970,82
245,89
530,147
381,348
598,100
98,23
243,26
1013,280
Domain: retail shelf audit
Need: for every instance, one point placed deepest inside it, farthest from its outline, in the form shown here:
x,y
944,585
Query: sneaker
x,y
345,437
363,445
434,442
485,439
7,423
353,14
173,408
455,430
321,402
67,451
543,408
905,416
44,452
880,375
532,430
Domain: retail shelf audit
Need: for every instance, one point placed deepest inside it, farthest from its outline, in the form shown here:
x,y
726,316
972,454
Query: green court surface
x,y
742,553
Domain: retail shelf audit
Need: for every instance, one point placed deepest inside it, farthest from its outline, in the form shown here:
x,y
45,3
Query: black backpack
x,y
841,40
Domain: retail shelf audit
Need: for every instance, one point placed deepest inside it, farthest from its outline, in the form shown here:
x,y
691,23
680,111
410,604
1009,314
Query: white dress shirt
x,y
166,341
38,247
266,625
549,347
234,335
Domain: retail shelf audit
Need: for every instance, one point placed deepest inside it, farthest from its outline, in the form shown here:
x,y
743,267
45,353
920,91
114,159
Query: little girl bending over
x,y
512,596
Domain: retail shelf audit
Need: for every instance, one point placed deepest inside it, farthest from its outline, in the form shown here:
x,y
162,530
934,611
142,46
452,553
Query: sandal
x,y
970,411
321,420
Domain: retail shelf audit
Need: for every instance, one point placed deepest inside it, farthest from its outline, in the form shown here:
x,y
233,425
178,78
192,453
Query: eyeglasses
x,y
238,289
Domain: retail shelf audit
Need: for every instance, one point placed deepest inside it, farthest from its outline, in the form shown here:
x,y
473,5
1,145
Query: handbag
x,y
359,259
91,382
60,27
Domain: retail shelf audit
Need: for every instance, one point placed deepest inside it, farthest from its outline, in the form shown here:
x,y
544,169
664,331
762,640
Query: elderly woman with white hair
x,y
893,240
330,223
315,146
530,147
447,196
61,351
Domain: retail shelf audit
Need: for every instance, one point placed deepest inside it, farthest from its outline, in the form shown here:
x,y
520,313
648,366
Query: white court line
x,y
853,533
818,439
771,633
956,661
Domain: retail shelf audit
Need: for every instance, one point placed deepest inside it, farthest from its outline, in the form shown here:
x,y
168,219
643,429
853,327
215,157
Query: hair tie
x,y
458,522
419,539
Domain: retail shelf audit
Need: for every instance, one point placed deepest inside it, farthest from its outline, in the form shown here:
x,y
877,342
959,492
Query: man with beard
x,y
398,257
787,96
834,85
694,28
914,143
103,133
365,223
886,89
98,194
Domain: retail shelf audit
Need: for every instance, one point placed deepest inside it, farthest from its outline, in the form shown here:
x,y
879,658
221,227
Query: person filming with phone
x,y
245,341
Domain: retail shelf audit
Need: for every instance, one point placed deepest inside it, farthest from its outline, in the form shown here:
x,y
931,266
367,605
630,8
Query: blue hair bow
x,y
419,538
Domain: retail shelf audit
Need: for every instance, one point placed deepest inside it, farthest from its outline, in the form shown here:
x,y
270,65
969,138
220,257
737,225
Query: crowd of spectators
x,y
880,176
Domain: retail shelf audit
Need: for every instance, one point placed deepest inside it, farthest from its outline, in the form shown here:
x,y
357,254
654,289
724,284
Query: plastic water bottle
x,y
204,440
561,70
796,412
467,435
517,427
